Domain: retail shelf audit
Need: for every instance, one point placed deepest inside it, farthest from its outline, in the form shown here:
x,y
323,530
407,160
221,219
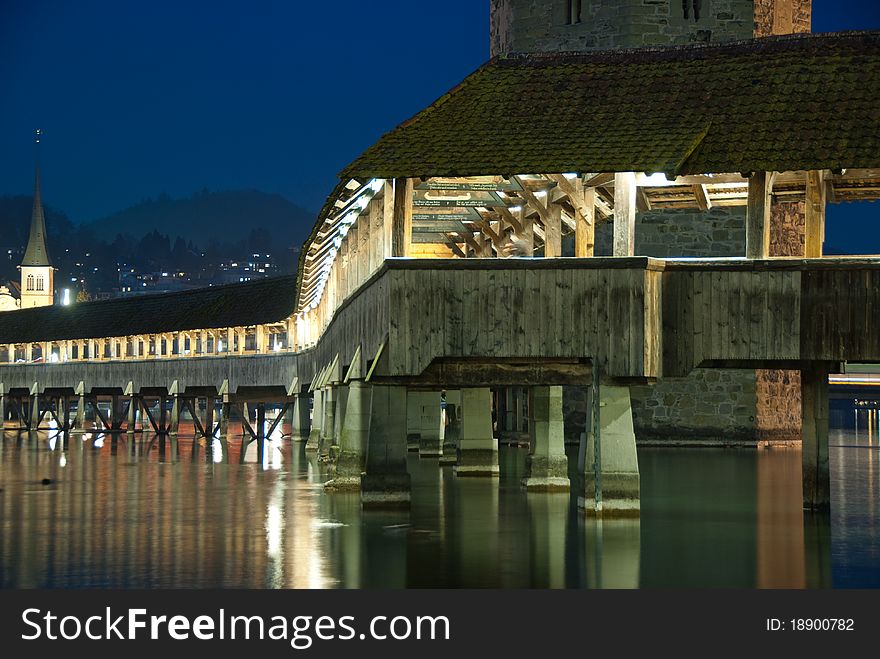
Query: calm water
x,y
709,518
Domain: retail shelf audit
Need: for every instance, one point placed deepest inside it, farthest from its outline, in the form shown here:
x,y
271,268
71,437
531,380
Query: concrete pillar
x,y
354,437
547,467
619,465
34,421
301,419
80,419
223,435
317,419
339,418
386,481
132,413
175,415
451,427
328,426
430,425
477,449
816,476
413,420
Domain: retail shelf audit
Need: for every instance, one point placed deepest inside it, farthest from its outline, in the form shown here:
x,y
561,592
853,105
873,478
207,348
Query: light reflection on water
x,y
729,518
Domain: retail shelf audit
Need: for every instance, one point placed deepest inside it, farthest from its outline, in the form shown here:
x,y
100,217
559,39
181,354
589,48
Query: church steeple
x,y
36,252
37,273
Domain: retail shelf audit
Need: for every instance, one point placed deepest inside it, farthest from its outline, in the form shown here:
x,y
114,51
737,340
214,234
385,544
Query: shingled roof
x,y
235,305
772,104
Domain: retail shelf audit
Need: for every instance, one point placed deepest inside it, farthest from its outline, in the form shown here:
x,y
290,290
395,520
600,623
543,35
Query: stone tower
x,y
37,273
732,406
560,25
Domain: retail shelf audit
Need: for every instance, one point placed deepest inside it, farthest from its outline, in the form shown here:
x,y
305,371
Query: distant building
x,y
37,273
8,301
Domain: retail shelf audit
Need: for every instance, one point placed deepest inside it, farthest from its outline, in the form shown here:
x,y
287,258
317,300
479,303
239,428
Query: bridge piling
x,y
477,448
386,481
618,462
314,439
354,438
452,427
547,466
816,475
430,424
413,420
301,418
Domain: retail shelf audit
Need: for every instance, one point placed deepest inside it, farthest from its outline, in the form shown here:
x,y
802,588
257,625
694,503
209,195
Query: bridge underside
x,y
418,328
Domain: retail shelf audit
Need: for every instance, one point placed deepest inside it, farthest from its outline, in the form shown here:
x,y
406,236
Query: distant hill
x,y
228,217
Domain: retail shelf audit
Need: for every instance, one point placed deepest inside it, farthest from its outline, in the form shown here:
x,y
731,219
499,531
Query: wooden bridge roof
x,y
794,102
235,305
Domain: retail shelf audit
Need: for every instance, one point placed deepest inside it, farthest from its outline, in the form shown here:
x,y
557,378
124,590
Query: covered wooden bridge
x,y
491,240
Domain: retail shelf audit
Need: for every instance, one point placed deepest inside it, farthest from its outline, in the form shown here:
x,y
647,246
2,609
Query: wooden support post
x,y
401,231
585,225
553,231
758,216
816,475
814,234
260,337
624,214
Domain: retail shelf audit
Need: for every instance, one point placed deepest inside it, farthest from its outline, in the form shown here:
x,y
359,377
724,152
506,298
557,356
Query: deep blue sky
x,y
138,98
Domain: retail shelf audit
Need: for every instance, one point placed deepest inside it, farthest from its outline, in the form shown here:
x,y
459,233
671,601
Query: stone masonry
x,y
545,25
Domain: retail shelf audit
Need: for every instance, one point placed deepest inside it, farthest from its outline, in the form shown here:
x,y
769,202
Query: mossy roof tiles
x,y
776,104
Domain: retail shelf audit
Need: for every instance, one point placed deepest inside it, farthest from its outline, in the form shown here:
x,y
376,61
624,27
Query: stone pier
x,y
816,475
618,464
431,425
354,438
317,419
386,481
301,419
477,448
547,462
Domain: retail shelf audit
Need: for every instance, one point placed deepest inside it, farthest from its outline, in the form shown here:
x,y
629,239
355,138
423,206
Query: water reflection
x,y
147,511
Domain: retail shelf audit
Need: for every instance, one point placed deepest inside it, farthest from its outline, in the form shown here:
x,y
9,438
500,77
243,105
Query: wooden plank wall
x,y
729,315
542,313
841,315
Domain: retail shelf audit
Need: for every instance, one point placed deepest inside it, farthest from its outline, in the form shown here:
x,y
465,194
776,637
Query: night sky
x,y
140,98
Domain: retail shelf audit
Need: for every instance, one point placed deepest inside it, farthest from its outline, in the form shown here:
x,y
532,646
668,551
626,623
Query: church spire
x,y
36,253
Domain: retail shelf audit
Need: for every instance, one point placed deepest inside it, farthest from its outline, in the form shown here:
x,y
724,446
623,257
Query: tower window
x,y
572,12
30,283
691,7
39,282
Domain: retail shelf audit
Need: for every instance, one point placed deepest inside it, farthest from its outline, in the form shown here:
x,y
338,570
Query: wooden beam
x,y
702,196
455,248
624,213
585,225
510,218
814,230
758,216
551,216
642,202
401,229
597,180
